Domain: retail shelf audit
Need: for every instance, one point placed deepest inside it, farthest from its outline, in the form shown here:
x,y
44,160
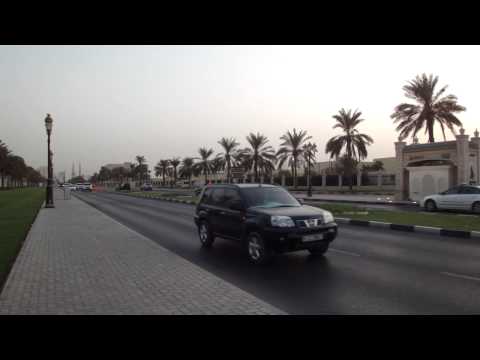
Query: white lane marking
x,y
461,276
344,252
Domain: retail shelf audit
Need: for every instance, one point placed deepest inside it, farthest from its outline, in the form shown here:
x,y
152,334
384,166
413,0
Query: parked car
x,y
83,187
146,187
462,197
86,187
266,219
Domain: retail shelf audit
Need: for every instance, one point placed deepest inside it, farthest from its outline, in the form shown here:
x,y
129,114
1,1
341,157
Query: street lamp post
x,y
48,126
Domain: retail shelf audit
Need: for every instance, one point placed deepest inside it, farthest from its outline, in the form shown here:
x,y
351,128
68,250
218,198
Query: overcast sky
x,y
111,103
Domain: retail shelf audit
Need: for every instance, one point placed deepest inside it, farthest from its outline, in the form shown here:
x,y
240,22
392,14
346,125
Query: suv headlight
x,y
328,217
282,221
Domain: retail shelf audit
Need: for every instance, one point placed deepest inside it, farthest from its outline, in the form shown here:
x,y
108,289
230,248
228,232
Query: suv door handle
x,y
222,212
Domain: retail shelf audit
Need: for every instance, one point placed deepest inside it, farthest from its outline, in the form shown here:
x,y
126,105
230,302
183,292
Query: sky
x,y
111,103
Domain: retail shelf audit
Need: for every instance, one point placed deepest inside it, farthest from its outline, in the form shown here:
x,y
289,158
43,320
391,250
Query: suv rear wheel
x,y
205,235
257,250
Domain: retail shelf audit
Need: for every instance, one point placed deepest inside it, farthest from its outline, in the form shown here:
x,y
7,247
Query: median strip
x,y
467,277
411,228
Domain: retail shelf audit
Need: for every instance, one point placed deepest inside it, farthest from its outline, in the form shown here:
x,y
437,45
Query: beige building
x,y
425,169
125,165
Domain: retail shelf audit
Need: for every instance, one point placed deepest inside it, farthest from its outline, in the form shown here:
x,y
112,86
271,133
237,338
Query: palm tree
x,y
175,162
204,164
161,168
292,149
216,165
229,146
141,165
431,108
187,169
309,153
355,143
260,156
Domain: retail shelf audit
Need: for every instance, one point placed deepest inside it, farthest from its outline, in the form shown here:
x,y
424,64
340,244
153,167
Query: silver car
x,y
462,197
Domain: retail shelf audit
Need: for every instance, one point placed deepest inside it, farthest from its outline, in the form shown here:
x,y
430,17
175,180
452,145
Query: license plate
x,y
312,237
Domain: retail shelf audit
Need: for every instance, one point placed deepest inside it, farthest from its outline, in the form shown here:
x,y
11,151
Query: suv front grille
x,y
309,223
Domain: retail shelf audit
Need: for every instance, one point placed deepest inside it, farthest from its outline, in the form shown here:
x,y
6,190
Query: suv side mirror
x,y
301,201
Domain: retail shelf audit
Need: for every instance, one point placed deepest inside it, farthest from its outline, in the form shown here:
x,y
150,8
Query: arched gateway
x,y
431,168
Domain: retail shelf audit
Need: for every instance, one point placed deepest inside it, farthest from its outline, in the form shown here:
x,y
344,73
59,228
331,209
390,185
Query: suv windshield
x,y
268,197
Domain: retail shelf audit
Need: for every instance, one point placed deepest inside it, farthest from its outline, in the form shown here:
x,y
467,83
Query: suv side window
x,y
230,196
216,198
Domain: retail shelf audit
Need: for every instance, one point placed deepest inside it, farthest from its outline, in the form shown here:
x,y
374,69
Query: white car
x,y
462,197
83,187
69,186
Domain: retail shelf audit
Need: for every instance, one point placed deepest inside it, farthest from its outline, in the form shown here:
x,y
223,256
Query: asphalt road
x,y
366,271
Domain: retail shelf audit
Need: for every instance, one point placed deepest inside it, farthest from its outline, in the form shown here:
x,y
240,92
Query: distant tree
x,y
119,173
309,152
431,108
259,156
4,153
187,168
94,178
229,146
161,168
175,162
292,149
216,165
16,168
204,164
105,174
354,143
142,168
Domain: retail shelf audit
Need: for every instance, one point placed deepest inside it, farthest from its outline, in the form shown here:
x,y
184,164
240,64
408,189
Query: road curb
x,y
411,228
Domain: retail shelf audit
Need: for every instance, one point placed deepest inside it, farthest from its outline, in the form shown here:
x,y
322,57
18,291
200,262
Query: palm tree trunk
x,y
295,169
255,169
228,171
431,139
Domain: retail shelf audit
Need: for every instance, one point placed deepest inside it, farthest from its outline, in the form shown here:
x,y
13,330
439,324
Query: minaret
x,y
73,169
79,169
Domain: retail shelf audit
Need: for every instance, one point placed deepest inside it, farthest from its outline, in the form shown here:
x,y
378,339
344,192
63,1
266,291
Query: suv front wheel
x,y
319,250
205,234
257,250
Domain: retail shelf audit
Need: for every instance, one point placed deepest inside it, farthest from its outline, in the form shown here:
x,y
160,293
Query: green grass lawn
x,y
18,209
450,221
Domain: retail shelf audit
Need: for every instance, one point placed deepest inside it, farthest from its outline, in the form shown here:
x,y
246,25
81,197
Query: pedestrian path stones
x,y
77,260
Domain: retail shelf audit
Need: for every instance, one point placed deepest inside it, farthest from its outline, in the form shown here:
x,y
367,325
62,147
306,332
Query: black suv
x,y
266,218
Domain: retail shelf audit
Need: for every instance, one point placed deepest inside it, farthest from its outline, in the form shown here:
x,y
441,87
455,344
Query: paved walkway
x,y
76,260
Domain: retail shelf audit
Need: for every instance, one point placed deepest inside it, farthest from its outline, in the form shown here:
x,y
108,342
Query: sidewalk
x,y
76,260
